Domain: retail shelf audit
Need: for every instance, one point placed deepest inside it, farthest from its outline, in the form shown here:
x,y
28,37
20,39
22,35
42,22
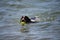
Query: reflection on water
x,y
47,29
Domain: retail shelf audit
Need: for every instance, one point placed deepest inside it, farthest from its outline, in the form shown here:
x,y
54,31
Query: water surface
x,y
47,29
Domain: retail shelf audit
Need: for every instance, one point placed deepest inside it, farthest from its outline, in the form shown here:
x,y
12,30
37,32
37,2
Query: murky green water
x,y
47,29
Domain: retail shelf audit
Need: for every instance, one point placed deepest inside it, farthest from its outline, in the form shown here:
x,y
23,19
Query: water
x,y
47,29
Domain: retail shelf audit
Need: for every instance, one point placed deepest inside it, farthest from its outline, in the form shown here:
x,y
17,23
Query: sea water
x,y
47,29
